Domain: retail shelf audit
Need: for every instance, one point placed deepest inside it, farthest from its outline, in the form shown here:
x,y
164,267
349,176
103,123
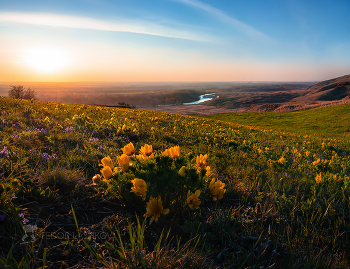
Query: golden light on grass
x,y
46,59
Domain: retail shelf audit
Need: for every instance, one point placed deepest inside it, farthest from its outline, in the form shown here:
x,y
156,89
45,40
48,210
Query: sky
x,y
173,40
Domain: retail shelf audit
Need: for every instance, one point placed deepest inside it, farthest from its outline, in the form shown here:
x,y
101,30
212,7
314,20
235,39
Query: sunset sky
x,y
174,40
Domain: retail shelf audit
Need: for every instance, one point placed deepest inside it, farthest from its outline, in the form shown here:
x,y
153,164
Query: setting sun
x,y
46,59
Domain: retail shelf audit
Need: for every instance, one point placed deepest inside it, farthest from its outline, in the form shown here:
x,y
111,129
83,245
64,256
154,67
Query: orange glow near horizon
x,y
77,63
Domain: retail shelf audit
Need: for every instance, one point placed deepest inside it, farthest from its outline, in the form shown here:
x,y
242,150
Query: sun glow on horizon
x,y
46,59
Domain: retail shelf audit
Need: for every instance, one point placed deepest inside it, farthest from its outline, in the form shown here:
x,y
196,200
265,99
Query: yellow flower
x,y
154,208
124,162
96,179
129,149
139,188
316,162
337,178
181,172
152,129
281,160
216,189
318,178
124,127
173,152
107,172
147,150
202,160
107,161
208,173
192,199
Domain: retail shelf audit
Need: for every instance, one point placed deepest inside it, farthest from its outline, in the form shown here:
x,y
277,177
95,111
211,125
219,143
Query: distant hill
x,y
329,90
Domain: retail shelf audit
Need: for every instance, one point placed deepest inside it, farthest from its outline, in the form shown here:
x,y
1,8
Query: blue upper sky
x,y
174,40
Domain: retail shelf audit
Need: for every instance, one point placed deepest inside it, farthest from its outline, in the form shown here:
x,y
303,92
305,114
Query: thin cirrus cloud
x,y
140,27
220,15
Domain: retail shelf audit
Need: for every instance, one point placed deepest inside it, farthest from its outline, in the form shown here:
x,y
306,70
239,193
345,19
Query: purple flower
x,y
3,112
5,152
2,120
101,148
71,128
2,217
24,220
17,124
45,155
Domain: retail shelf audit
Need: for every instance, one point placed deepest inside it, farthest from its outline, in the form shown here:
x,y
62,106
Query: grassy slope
x,y
329,121
272,214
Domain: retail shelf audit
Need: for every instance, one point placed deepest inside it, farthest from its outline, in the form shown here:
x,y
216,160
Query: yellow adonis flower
x,y
337,178
107,172
208,173
139,188
181,172
173,152
107,161
216,189
154,208
96,179
146,150
317,161
318,178
129,149
202,160
124,162
192,199
281,160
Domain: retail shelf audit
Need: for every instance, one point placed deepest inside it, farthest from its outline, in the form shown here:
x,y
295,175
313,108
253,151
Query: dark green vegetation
x,y
331,121
273,215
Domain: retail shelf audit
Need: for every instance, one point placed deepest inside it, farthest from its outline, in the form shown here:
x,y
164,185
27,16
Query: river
x,y
203,98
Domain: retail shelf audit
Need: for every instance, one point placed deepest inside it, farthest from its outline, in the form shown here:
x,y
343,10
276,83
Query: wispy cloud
x,y
140,27
220,15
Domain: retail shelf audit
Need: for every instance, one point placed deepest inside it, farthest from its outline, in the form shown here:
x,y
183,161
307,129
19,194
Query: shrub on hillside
x,y
18,92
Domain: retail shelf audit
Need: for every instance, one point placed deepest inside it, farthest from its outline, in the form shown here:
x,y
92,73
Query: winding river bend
x,y
203,98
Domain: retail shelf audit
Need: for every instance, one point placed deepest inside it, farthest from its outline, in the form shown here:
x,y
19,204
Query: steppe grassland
x,y
286,200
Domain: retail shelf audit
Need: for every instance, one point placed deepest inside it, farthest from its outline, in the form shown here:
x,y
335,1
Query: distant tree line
x,y
18,92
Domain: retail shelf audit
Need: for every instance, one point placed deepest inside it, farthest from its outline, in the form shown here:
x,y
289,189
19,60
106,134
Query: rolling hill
x,y
329,90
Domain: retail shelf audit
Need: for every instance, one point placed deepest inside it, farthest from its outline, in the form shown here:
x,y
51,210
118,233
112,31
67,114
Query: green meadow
x,y
245,190
331,121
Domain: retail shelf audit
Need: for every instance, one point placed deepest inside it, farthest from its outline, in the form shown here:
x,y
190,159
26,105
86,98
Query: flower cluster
x,y
146,176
